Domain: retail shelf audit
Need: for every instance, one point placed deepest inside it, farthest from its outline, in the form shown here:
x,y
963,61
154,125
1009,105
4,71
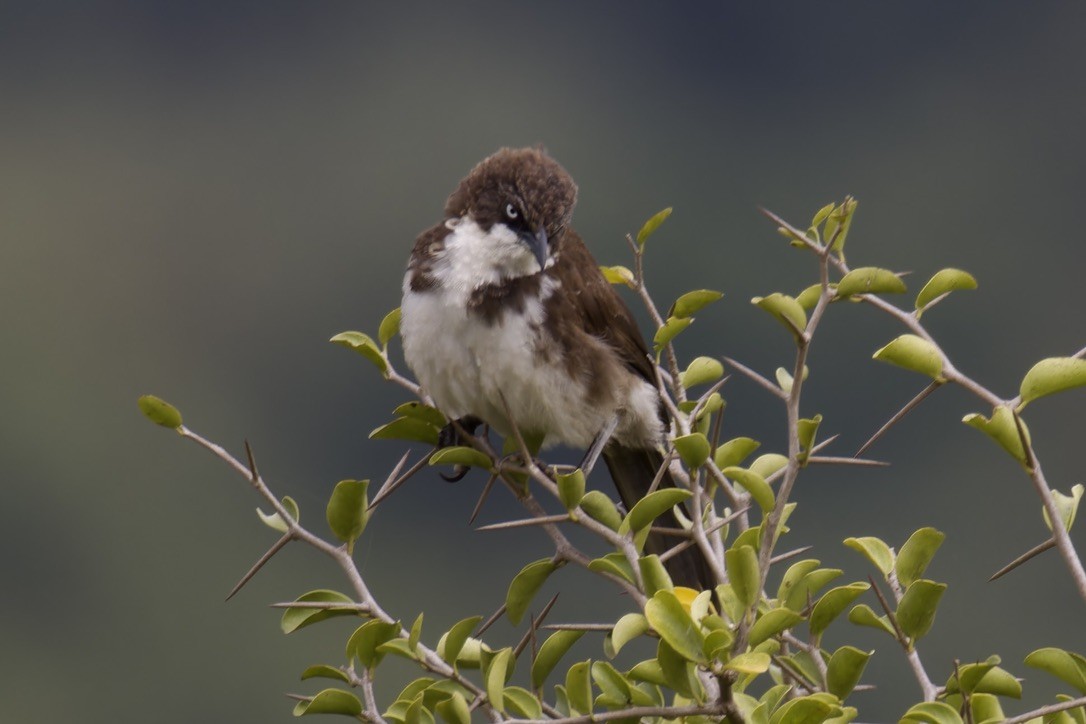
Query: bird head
x,y
521,197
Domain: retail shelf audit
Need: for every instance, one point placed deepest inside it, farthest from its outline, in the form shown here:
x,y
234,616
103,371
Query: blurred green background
x,y
194,196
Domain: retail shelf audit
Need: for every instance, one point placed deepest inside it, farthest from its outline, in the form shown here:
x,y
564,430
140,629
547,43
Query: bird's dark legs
x,y
602,438
450,436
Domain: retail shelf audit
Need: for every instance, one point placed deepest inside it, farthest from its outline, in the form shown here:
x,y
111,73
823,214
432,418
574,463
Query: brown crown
x,y
532,181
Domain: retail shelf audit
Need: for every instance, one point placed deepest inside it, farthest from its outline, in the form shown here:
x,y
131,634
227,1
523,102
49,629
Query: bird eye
x,y
511,212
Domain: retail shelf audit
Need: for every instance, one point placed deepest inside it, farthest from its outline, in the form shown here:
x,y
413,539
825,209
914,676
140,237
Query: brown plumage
x,y
575,325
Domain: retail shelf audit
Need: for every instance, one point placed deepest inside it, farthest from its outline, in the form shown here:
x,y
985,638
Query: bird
x,y
505,310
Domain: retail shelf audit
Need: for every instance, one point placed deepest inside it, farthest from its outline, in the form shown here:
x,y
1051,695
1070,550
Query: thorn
x,y
761,381
901,637
535,622
935,384
862,462
482,498
579,627
1031,553
252,462
263,559
789,554
525,522
389,488
490,621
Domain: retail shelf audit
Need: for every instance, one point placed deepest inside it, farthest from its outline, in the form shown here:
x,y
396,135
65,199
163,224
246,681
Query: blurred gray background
x,y
195,196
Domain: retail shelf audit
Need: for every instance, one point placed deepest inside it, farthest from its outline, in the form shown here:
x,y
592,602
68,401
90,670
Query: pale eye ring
x,y
511,212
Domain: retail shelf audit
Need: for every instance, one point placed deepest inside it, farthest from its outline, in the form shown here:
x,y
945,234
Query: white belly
x,y
467,366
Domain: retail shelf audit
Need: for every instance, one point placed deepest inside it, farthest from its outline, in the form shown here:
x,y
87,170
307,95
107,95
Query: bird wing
x,y
596,308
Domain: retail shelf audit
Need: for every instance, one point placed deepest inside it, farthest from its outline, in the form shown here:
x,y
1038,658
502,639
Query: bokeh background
x,y
194,196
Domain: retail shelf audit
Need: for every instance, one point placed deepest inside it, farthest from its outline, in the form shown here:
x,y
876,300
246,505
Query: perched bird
x,y
504,308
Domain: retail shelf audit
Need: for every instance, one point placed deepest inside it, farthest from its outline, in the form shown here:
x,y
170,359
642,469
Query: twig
x,y
482,497
773,389
860,462
1046,710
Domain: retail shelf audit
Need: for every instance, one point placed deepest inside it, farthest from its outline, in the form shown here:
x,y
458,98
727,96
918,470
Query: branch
x,y
1046,710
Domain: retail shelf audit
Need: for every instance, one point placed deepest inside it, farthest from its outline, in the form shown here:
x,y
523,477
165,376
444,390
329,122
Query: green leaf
x,y
460,456
648,671
390,327
772,622
296,618
579,687
1003,428
692,302
870,280
651,507
627,629
274,521
601,508
805,710
786,309
571,489
671,621
734,452
417,713
809,585
838,224
1067,666
794,575
743,574
766,465
916,612
931,712
324,671
986,709
916,554
1050,376
496,676
694,449
844,669
615,564
1067,505
454,710
832,603
415,634
366,639
875,550
522,702
524,587
754,484
915,354
654,575
752,662
822,214
862,615
985,678
809,297
652,225
669,331
944,282
330,701
407,428
553,649
348,510
400,647
160,412
701,371
456,637
678,672
364,345
419,411
612,684
618,275
806,430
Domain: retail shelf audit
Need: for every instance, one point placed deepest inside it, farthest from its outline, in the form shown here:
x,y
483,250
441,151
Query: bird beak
x,y
537,242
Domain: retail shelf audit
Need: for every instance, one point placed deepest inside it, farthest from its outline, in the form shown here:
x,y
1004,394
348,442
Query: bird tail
x,y
633,470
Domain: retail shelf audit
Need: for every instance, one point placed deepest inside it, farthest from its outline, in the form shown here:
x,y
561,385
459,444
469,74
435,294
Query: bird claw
x,y
450,436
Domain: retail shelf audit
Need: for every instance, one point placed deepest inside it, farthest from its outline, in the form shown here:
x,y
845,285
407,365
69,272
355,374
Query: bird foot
x,y
453,435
